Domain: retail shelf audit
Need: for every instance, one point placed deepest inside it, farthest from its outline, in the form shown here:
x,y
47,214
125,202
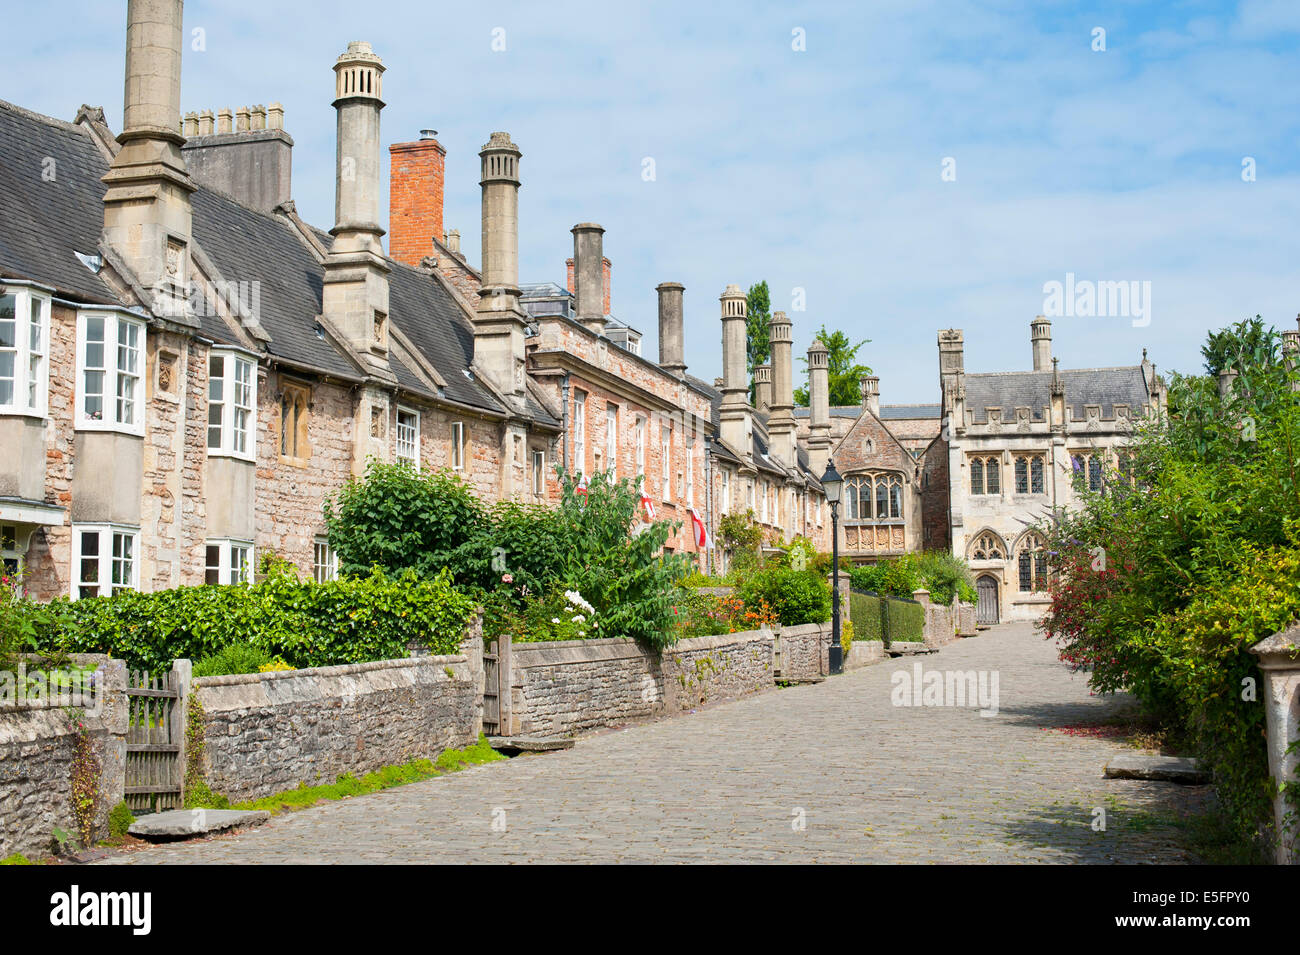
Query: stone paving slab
x,y
827,773
188,823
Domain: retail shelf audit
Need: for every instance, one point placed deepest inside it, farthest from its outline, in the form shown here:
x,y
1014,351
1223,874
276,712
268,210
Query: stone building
x,y
973,473
188,370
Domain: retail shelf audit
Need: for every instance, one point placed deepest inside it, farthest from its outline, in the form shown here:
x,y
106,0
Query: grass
x,y
348,785
17,859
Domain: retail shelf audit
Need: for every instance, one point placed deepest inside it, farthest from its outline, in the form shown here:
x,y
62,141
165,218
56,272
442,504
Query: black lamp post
x,y
832,485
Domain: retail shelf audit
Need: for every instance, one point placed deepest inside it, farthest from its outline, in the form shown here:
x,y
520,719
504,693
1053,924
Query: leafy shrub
x,y
939,572
235,658
119,820
904,621
795,596
867,616
846,635
306,624
702,615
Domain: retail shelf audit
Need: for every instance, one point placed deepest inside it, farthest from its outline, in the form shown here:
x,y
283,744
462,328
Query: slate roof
x,y
47,222
887,412
1083,386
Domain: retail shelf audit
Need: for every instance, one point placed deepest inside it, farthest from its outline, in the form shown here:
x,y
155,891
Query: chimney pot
x,y
1040,338
225,120
589,275
241,119
275,116
428,134
672,345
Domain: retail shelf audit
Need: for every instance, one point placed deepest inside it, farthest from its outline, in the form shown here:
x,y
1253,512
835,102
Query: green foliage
x,y
904,621
23,622
795,596
306,624
347,785
939,572
867,615
16,859
397,518
235,658
844,373
119,820
758,346
1167,574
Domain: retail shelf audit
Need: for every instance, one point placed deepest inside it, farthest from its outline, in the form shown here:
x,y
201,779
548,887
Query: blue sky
x,y
817,169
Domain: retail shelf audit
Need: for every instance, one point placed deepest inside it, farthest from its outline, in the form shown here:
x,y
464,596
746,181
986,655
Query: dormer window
x,y
24,352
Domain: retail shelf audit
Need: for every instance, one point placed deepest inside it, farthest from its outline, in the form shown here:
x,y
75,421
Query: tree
x,y
758,342
845,372
1245,343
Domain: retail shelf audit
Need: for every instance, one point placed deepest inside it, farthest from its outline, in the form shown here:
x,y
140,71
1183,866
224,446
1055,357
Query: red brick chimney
x,y
604,262
415,185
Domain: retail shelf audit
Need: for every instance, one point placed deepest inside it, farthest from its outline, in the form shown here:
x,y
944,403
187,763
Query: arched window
x,y
988,546
875,496
1031,561
986,474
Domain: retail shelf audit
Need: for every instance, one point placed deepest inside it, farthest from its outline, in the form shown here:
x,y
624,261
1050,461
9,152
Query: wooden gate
x,y
986,610
496,687
153,741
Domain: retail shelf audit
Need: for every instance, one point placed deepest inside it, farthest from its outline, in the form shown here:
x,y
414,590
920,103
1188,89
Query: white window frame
x,y
31,387
640,448
229,569
413,439
666,460
690,473
324,562
109,535
538,479
579,433
116,325
236,396
458,445
726,492
611,439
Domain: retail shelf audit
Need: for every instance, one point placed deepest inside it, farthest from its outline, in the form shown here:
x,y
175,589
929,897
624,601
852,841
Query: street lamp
x,y
832,486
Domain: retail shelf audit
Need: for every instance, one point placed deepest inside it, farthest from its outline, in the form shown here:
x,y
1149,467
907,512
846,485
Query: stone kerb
x,y
1279,659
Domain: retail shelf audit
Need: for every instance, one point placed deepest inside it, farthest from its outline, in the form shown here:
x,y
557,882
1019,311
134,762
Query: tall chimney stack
x,y
734,415
1040,337
355,293
819,410
781,426
871,393
672,344
500,321
763,388
589,275
416,176
147,214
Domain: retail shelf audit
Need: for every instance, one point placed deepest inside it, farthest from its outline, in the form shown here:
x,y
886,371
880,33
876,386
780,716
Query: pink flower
x,y
507,578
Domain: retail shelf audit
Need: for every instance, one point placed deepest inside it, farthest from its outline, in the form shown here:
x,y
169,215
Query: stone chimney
x,y
952,374
606,268
870,385
763,388
415,190
781,426
819,407
355,294
147,214
672,344
1040,337
734,414
1291,349
500,321
254,166
452,241
589,285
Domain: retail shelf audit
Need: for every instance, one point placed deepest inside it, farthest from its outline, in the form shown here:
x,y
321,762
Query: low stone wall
x,y
863,653
38,746
268,732
565,688
804,651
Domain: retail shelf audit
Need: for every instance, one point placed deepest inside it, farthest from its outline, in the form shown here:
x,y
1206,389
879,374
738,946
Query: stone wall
x,y
38,745
268,732
565,688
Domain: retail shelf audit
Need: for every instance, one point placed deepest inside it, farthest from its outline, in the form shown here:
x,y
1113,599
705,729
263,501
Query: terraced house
x,y
188,369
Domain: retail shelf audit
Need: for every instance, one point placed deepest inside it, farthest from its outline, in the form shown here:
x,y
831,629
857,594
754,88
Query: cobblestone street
x,y
875,783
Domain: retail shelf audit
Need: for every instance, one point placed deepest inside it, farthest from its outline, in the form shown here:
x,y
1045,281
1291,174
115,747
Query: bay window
x,y
110,362
232,398
228,562
104,559
324,562
24,352
407,436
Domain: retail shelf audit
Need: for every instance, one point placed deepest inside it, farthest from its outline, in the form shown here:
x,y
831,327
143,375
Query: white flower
x,y
555,620
575,598
579,618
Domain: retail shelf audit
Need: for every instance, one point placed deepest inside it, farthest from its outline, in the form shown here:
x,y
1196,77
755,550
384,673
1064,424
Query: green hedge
x,y
886,618
795,596
306,624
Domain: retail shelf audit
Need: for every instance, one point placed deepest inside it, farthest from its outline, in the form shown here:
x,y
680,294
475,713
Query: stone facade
x,y
268,732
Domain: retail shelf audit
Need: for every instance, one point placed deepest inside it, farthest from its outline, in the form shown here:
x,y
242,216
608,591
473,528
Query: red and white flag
x,y
701,532
582,486
649,506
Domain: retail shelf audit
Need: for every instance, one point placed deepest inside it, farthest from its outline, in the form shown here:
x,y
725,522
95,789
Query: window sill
x,y
294,462
98,427
12,411
231,455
